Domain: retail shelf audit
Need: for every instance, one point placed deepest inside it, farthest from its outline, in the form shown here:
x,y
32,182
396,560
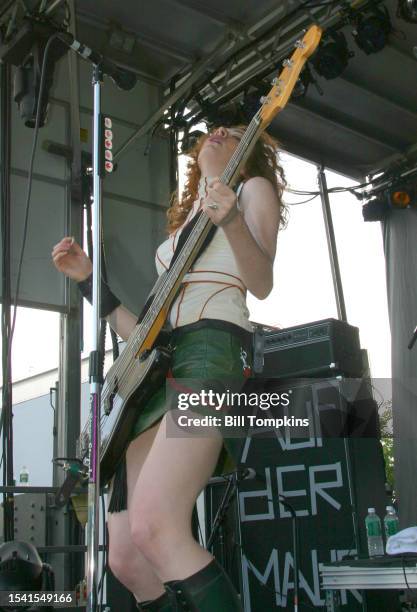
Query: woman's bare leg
x,y
126,562
175,471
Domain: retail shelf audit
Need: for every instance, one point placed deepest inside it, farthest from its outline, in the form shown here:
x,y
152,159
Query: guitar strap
x,y
184,235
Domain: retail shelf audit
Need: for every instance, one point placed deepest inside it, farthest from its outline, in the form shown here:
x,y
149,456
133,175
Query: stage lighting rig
x,y
399,196
332,56
371,29
407,10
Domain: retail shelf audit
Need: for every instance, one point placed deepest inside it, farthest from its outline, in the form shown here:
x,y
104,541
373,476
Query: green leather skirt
x,y
205,353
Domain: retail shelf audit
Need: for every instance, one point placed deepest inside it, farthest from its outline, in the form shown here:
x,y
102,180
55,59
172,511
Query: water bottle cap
x,y
370,510
389,508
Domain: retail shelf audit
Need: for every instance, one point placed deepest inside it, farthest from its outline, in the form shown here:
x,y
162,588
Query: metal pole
x,y
239,544
67,404
6,419
331,244
53,6
95,382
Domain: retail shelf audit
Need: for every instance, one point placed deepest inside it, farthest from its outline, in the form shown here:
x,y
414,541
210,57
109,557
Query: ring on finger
x,y
213,206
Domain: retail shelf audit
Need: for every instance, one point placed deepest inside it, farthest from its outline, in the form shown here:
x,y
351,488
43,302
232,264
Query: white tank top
x,y
213,288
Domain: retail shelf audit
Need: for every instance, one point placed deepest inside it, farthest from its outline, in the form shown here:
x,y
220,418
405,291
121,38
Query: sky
x,y
303,287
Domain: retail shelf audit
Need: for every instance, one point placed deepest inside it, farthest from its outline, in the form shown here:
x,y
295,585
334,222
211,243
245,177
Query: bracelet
x,y
108,300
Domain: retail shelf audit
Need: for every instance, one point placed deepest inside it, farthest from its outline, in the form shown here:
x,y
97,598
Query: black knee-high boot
x,y
162,604
209,590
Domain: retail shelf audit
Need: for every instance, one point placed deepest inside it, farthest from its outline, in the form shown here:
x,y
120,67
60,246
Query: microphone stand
x,y
286,504
233,480
94,365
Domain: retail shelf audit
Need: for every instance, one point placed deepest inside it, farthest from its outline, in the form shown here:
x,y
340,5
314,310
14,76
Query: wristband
x,y
108,300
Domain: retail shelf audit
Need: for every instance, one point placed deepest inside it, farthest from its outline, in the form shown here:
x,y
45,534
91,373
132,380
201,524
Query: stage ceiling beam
x,y
385,99
143,38
358,132
204,10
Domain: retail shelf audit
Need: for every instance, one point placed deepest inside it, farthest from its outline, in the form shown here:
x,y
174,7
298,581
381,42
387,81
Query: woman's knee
x,y
123,564
123,556
154,530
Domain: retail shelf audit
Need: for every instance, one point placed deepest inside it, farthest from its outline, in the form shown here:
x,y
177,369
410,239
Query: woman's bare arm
x,y
253,235
122,321
69,258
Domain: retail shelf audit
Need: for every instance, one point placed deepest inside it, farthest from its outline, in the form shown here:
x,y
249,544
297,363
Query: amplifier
x,y
323,348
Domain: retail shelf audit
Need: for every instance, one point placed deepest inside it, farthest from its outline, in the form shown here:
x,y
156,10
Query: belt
x,y
244,335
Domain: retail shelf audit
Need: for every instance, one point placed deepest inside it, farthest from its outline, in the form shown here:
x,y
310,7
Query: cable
x,y
27,205
302,201
330,190
409,589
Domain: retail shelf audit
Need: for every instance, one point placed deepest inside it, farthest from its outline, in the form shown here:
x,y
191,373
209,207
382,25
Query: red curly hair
x,y
263,161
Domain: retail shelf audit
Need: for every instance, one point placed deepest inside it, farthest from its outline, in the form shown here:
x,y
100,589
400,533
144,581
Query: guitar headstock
x,y
283,85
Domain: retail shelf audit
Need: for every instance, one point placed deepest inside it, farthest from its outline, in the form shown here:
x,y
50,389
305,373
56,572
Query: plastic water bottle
x,y
374,534
391,522
24,476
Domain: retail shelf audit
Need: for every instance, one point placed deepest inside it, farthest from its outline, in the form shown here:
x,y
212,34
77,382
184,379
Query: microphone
x,y
124,79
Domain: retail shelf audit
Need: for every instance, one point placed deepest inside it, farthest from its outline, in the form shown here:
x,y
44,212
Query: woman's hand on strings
x,y
221,203
69,258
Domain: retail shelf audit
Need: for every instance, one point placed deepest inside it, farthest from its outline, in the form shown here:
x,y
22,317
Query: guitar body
x,y
145,377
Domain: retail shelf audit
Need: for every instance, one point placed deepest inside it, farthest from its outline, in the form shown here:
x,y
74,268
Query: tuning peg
x,y
276,82
288,63
264,99
300,44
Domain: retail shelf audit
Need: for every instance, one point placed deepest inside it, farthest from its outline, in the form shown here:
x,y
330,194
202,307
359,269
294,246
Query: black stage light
x,y
407,10
252,97
215,114
332,56
25,50
306,79
189,140
372,30
21,569
375,210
